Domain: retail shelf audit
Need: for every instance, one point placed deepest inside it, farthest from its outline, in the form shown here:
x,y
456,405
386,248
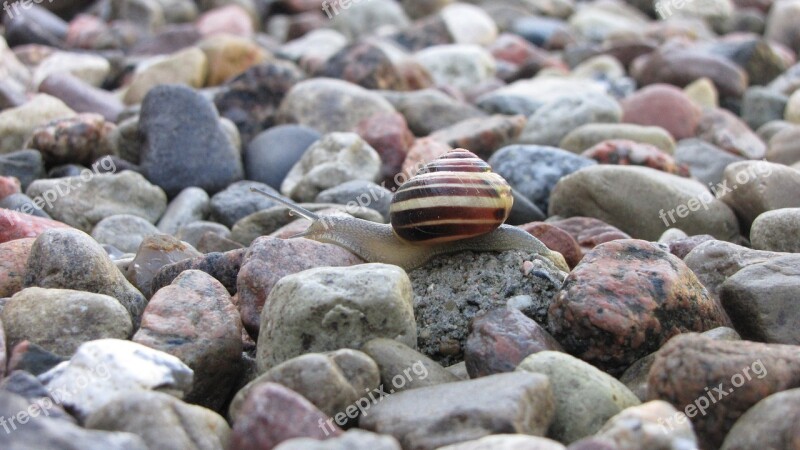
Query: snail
x,y
454,203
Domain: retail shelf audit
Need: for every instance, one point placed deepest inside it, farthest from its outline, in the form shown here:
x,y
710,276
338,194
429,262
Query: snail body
x,y
453,204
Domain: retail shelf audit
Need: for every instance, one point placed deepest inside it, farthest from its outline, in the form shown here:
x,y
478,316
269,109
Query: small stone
x,y
761,105
587,136
792,113
17,124
654,195
770,423
229,56
359,192
745,372
224,267
26,165
193,232
776,231
728,132
585,397
784,146
195,320
162,421
398,361
313,49
507,442
651,289
178,117
81,139
13,260
214,243
332,381
534,170
70,259
229,19
680,66
123,231
389,135
238,201
682,247
429,110
642,426
664,106
83,203
760,300
329,105
251,100
372,65
556,239
500,339
272,414
60,320
188,67
703,93
191,205
364,19
706,161
114,367
625,152
33,359
589,232
755,187
505,403
272,153
354,439
779,24
457,65
155,252
556,118
332,160
348,307
91,69
9,186
483,136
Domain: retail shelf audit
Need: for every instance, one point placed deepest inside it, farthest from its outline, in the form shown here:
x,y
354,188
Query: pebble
x,y
761,105
83,138
511,402
502,338
13,260
17,124
18,225
507,442
9,186
706,161
792,113
328,105
229,19
451,290
703,93
784,146
313,49
83,201
759,300
589,232
328,308
779,24
70,259
155,252
390,136
624,152
555,119
664,106
331,381
756,187
271,414
587,136
723,129
771,422
359,192
26,165
60,320
81,96
534,170
332,160
123,231
469,24
611,318
775,231
228,56
354,439
272,153
556,239
91,69
195,320
224,267
191,205
113,367
162,421
689,364
376,66
193,232
429,110
642,426
396,361
366,17
585,397
592,192
177,117
188,67
483,136
238,201
457,65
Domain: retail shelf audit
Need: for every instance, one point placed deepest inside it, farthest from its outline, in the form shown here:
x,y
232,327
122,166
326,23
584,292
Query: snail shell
x,y
456,196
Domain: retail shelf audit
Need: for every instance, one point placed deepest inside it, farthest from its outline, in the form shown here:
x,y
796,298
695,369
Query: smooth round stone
x,y
770,423
61,320
545,32
329,105
91,69
534,170
507,442
681,66
393,357
784,146
191,205
429,110
761,105
483,136
17,124
555,119
363,18
22,203
18,225
556,239
187,67
600,21
155,252
82,97
238,201
458,65
706,161
35,25
354,439
703,93
623,152
754,187
123,231
643,427
13,259
782,24
585,396
650,196
777,231
589,135
175,116
359,192
230,19
391,137
314,48
663,106
228,56
148,15
725,130
272,153
793,108
375,65
193,232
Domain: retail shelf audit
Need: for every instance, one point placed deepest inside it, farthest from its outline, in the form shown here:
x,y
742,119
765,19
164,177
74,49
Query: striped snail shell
x,y
456,196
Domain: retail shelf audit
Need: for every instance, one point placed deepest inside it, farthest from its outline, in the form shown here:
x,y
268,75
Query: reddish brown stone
x,y
8,186
589,232
80,139
681,66
556,239
484,135
389,135
272,414
526,58
13,260
664,106
682,247
691,367
630,153
624,300
421,152
500,339
723,129
367,65
17,225
269,259
229,19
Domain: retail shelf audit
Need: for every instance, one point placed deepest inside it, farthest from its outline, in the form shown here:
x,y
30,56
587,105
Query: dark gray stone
x,y
272,153
27,165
